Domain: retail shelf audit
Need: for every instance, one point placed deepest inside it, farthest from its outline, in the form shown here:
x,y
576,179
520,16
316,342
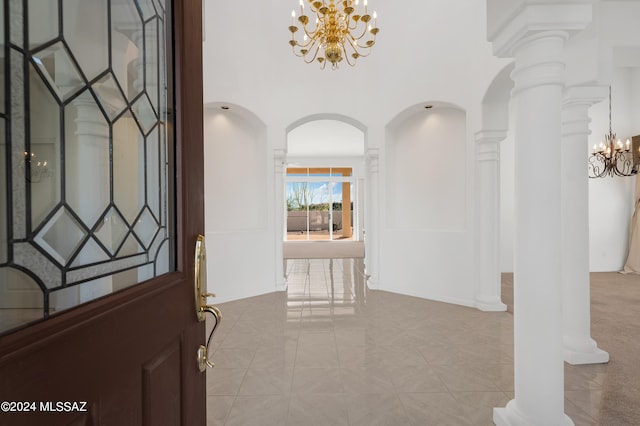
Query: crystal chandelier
x,y
611,157
340,32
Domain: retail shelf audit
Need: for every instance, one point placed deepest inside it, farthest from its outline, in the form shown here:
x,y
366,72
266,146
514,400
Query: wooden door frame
x,y
17,347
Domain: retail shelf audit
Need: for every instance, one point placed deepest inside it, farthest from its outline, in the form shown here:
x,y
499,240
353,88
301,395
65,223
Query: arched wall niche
x,y
426,240
238,212
235,152
425,157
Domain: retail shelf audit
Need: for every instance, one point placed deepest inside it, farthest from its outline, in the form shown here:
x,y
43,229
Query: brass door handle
x,y
201,296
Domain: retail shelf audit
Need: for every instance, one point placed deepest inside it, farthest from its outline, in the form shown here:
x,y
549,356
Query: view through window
x,y
320,203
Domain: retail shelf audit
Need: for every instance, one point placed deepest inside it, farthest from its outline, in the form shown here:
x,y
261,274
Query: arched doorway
x,y
324,189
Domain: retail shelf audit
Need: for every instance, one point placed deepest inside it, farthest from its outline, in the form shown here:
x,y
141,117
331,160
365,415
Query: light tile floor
x,y
328,351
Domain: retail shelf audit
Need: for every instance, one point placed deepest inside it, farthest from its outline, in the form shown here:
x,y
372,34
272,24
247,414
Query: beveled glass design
x,y
151,55
130,247
85,203
111,231
128,164
153,172
41,28
40,163
85,29
2,59
90,253
16,18
147,8
146,227
87,158
61,236
127,37
109,96
145,116
58,69
4,205
17,142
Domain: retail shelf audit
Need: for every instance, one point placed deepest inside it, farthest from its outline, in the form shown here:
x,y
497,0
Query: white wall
x,y
611,199
426,243
419,57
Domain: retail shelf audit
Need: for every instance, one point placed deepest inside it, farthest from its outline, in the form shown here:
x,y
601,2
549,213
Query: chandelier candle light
x,y
340,32
612,157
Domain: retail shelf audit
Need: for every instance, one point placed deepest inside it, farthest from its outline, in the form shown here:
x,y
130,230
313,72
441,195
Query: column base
x,y
490,305
511,416
594,356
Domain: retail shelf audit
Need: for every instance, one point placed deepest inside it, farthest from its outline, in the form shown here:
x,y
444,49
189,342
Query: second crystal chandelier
x,y
339,32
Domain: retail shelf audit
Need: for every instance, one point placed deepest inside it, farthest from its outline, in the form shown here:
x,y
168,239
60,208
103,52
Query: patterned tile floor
x,y
328,351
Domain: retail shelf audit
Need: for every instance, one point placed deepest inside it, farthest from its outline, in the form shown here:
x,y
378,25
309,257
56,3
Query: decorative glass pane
x,y
112,231
18,146
105,268
109,95
2,57
127,46
130,247
21,299
57,68
85,31
128,167
40,164
16,27
163,264
146,227
153,172
87,162
144,114
4,206
89,199
41,27
28,257
61,236
91,252
151,57
146,6
163,104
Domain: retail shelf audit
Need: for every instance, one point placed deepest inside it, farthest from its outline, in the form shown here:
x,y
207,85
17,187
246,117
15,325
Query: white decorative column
x,y
534,33
579,347
279,171
488,291
539,369
372,225
91,158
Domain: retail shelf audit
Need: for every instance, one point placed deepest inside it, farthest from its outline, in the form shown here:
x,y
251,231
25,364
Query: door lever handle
x,y
203,351
201,296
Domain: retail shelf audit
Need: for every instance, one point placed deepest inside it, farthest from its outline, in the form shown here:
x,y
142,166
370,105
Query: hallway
x,y
330,352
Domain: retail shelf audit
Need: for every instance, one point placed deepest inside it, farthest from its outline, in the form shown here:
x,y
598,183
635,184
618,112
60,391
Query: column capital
x,y
531,17
490,136
575,109
584,95
279,157
373,159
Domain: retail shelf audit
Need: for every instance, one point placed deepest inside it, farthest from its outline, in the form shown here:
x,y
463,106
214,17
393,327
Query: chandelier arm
x,y
347,56
315,54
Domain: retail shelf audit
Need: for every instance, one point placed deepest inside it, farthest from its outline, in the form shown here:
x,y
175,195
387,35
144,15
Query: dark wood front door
x,y
129,357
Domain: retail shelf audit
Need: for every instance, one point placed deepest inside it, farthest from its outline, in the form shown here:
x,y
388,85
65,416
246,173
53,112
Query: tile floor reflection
x,y
328,351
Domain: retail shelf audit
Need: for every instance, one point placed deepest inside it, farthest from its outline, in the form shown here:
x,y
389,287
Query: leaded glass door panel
x,y
98,219
86,153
